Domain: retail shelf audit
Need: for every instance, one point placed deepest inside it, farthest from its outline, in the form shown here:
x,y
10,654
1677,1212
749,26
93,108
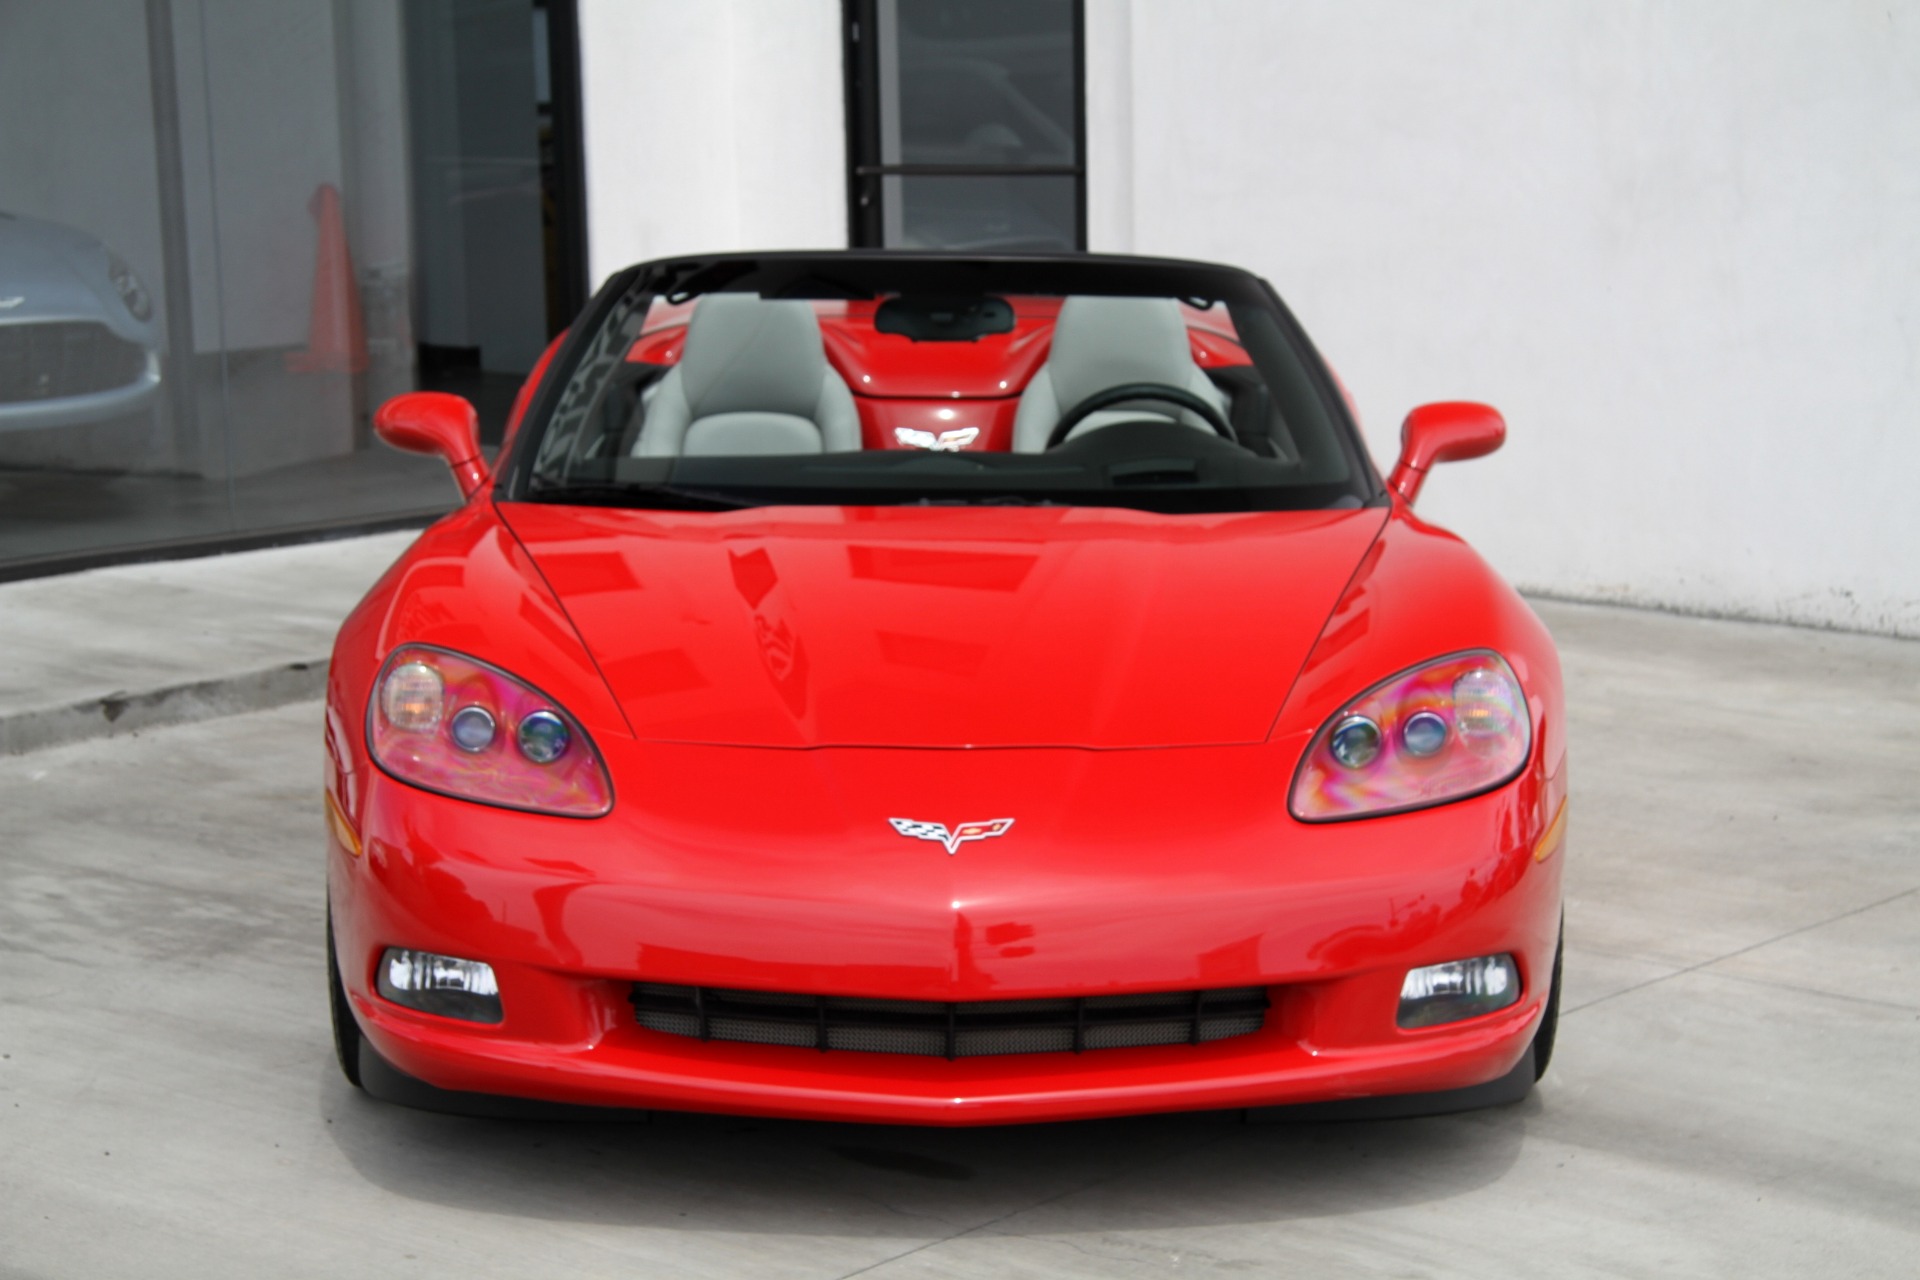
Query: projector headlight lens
x,y
1423,734
1355,742
471,729
543,737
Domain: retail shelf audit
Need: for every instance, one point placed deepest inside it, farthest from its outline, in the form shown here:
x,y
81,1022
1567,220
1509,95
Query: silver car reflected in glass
x,y
77,336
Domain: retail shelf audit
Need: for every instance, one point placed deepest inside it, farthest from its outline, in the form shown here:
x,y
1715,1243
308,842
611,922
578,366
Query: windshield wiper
x,y
1154,471
667,497
980,500
673,497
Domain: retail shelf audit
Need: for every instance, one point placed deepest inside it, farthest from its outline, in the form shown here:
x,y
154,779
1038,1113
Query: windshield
x,y
889,379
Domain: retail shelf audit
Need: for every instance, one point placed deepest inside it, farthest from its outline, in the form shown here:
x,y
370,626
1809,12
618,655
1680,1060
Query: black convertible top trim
x,y
869,273
859,274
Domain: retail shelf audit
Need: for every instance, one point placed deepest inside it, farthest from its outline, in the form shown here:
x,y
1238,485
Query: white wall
x,y
1678,244
712,126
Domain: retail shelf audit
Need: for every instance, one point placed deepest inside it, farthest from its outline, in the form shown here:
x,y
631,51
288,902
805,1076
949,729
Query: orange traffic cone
x,y
337,336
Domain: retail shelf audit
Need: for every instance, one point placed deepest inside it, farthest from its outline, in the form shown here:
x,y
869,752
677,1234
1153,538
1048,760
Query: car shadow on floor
x,y
724,1173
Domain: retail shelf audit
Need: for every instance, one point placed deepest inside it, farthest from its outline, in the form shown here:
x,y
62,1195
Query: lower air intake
x,y
938,1030
52,360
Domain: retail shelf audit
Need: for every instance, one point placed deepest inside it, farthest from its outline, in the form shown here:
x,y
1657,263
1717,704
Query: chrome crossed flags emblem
x,y
955,838
946,442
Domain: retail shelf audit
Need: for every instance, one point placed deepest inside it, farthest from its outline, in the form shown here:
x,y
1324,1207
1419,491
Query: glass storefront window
x,y
992,213
229,229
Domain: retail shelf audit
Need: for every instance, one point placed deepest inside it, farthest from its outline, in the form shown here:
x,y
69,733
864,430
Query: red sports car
x,y
942,690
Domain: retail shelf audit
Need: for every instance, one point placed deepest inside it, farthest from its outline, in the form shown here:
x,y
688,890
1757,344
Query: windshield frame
x,y
865,274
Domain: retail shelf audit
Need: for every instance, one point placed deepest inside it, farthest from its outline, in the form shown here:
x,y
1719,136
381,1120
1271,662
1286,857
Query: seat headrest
x,y
1105,342
745,354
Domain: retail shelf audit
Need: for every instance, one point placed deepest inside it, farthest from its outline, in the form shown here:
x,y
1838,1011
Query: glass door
x,y
966,126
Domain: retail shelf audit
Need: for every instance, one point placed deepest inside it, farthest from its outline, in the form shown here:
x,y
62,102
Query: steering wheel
x,y
1140,391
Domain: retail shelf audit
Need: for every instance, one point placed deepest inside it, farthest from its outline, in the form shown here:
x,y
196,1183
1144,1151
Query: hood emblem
x,y
955,838
946,442
8,304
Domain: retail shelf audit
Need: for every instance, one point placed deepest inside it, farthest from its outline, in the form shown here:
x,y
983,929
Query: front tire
x,y
346,1031
1550,1018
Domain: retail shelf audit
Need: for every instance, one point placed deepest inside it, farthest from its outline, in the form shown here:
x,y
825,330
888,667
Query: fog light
x,y
440,984
1458,989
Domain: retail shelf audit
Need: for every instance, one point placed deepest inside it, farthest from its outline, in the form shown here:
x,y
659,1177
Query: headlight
x,y
132,292
1450,729
437,721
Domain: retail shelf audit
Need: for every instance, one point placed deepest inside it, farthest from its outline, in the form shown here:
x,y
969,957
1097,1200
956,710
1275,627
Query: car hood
x,y
48,271
947,627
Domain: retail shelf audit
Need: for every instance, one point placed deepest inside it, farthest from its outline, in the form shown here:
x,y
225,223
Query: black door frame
x,y
860,51
570,154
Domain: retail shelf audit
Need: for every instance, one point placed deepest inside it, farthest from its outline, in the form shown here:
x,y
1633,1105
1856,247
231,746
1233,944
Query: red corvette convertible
x,y
947,691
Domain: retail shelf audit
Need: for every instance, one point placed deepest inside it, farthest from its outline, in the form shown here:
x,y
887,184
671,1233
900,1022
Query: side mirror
x,y
437,423
1452,431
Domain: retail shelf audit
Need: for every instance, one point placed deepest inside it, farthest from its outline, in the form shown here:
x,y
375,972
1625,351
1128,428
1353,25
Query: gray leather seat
x,y
752,379
1108,342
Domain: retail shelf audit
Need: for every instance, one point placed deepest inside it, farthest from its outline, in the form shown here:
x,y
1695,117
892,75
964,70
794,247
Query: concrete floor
x,y
1735,1091
110,650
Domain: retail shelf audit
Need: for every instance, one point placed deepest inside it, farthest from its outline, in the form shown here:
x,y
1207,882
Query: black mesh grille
x,y
68,358
940,1030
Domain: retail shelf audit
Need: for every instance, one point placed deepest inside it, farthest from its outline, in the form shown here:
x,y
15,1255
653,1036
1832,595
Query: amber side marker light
x,y
1556,830
342,829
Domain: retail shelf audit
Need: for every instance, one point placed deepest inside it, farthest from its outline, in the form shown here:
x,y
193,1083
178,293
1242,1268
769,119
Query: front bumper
x,y
134,397
571,914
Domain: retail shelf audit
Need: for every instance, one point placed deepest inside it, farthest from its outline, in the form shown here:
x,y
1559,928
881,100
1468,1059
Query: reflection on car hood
x,y
947,627
42,265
